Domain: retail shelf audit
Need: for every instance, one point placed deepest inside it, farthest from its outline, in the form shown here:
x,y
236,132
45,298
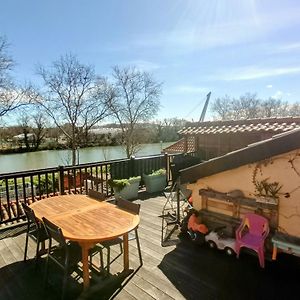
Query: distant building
x,y
105,130
21,137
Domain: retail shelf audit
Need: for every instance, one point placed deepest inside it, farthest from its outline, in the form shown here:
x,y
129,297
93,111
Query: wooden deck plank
x,y
184,271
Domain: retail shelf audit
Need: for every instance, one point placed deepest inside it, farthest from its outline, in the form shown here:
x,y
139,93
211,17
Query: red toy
x,y
195,226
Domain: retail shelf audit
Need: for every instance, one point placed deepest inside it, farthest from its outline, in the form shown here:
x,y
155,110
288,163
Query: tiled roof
x,y
278,144
275,125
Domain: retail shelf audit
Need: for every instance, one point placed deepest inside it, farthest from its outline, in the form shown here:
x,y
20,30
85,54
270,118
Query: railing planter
x,y
126,188
156,181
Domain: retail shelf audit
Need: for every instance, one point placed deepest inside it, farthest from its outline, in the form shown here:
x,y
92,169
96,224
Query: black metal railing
x,y
34,185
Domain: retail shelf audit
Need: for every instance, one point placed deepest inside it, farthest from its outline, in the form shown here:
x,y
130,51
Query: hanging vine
x,y
264,187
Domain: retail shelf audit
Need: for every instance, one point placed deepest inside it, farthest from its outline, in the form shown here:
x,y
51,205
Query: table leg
x,y
274,254
85,265
126,252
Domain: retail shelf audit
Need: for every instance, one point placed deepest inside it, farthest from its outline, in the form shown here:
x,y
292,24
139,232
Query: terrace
x,y
180,271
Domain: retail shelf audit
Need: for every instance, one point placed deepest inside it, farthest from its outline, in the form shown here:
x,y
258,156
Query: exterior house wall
x,y
284,169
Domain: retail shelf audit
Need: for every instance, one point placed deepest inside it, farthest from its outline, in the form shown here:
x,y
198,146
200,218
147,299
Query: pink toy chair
x,y
252,234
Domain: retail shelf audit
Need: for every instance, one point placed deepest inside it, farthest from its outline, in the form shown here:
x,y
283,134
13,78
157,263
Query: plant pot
x,y
155,183
129,191
267,200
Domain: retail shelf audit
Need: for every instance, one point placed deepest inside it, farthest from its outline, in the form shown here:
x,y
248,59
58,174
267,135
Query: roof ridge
x,y
245,121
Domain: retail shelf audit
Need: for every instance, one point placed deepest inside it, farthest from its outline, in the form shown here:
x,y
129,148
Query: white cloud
x,y
254,72
209,27
144,65
269,86
278,95
188,89
289,47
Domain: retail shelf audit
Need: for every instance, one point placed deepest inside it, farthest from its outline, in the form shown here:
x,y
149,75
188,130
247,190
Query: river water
x,y
54,158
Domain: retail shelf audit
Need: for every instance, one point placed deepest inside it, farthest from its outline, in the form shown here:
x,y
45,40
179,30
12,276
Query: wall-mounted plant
x,y
265,191
265,188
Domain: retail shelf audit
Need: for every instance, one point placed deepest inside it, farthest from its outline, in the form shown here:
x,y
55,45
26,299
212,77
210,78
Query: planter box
x,y
129,191
155,183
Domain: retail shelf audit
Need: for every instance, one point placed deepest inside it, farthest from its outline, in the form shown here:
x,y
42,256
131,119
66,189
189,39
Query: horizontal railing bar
x,y
27,173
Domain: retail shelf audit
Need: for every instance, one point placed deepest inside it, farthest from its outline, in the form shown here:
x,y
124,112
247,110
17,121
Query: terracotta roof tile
x,y
250,125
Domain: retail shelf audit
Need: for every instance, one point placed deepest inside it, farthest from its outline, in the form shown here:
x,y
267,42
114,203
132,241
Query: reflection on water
x,y
54,158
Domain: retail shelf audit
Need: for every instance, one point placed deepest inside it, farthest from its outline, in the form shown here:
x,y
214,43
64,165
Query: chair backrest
x,y
30,214
54,232
256,224
127,205
96,195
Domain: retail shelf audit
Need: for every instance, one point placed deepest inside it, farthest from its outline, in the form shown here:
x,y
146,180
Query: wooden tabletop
x,y
87,221
84,219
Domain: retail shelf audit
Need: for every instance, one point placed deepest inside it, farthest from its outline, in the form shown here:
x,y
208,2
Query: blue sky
x,y
224,46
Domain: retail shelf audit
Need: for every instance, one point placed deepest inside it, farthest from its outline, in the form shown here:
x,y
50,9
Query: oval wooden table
x,y
87,221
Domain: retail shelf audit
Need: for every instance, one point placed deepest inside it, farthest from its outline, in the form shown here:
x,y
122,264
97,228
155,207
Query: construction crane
x,y
204,108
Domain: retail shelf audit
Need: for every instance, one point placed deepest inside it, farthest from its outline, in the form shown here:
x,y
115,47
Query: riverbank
x,y
25,150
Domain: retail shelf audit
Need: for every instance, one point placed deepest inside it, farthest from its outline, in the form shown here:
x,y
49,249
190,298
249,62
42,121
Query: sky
x,y
228,47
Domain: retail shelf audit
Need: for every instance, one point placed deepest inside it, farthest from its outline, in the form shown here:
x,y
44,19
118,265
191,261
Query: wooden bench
x,y
287,243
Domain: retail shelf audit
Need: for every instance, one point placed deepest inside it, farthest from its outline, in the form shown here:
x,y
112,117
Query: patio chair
x,y
252,234
96,195
65,254
35,230
133,235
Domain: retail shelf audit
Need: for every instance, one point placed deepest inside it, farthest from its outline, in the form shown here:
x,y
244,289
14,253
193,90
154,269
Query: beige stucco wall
x,y
284,169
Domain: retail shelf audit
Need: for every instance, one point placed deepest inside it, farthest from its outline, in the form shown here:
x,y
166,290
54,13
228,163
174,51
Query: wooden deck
x,y
182,271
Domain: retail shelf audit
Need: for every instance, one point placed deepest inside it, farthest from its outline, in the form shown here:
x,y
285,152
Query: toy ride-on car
x,y
217,239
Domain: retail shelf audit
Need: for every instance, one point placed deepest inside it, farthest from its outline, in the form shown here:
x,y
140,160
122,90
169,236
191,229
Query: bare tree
x,y
11,96
246,107
39,128
24,124
135,100
222,107
249,106
71,96
270,108
167,129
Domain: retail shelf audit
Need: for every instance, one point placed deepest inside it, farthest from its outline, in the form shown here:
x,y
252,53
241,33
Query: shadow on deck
x,y
182,271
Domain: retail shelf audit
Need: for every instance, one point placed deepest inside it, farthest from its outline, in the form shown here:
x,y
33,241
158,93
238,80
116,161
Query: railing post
x,y
61,180
167,166
132,166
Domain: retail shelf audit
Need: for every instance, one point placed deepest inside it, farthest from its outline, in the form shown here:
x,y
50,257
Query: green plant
x,y
267,189
158,172
263,187
119,184
43,185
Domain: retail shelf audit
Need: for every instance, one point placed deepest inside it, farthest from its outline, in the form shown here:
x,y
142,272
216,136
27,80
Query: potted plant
x,y
156,181
126,188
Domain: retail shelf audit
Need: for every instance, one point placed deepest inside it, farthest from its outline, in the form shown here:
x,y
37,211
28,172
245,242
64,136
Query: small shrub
x,y
158,172
119,184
